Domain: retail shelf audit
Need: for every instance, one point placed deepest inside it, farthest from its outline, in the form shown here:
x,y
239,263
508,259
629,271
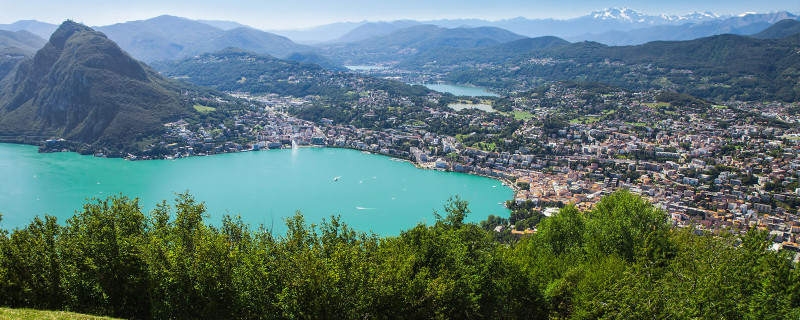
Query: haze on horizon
x,y
297,14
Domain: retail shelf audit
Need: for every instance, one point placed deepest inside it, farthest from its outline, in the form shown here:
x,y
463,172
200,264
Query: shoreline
x,y
505,182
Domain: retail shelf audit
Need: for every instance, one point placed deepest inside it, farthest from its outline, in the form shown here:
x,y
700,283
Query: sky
x,y
297,14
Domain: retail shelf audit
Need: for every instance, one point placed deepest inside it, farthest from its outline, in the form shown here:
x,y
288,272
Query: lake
x,y
460,90
373,192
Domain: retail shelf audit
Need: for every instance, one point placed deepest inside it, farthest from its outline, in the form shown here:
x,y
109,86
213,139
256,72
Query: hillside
x,y
410,41
82,87
720,67
23,40
374,29
453,57
16,46
169,38
239,70
780,29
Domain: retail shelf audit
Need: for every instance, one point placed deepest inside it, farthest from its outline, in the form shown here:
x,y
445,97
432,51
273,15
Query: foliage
x,y
619,260
28,314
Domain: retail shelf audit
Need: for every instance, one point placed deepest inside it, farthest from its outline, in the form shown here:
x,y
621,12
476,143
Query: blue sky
x,y
288,14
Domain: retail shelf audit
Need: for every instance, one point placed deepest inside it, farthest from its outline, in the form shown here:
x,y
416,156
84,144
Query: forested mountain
x,y
407,42
719,67
780,29
82,87
499,53
168,37
238,70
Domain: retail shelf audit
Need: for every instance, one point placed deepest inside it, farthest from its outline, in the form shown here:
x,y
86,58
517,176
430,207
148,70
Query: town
x,y
710,167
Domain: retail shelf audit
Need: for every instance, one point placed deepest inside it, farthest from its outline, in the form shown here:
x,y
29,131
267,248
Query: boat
x,y
336,179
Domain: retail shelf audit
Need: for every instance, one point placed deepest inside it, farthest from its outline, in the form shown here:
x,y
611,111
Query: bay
x,y
460,90
372,192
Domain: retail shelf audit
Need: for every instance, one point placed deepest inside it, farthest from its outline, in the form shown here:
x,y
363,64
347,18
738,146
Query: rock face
x,y
82,87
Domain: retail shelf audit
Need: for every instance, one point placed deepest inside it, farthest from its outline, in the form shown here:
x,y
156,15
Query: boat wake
x,y
362,208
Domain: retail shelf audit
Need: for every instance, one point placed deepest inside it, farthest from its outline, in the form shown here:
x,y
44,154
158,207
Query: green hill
x,y
780,29
720,67
454,57
238,70
82,87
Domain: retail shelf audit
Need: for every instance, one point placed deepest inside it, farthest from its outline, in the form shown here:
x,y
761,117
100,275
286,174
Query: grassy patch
x,y
522,115
720,107
485,146
6,313
204,109
637,124
657,104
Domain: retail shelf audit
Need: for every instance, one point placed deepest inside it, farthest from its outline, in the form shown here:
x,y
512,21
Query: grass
x,y
637,124
522,115
6,313
657,104
204,109
720,107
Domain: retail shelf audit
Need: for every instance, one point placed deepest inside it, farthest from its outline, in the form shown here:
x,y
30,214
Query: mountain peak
x,y
82,87
66,30
621,14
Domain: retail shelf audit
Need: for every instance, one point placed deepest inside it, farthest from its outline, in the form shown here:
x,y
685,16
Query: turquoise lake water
x,y
460,90
373,192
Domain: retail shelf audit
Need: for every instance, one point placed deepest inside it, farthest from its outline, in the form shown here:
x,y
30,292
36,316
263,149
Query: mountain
x,y
225,25
720,68
23,40
238,70
82,87
780,29
619,19
41,29
319,34
374,29
741,25
447,57
318,59
168,37
406,42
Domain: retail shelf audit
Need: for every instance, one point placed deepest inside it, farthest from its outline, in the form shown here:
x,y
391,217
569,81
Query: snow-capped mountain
x,y
618,14
627,15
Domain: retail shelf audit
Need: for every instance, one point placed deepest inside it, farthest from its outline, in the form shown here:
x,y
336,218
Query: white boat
x,y
336,179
